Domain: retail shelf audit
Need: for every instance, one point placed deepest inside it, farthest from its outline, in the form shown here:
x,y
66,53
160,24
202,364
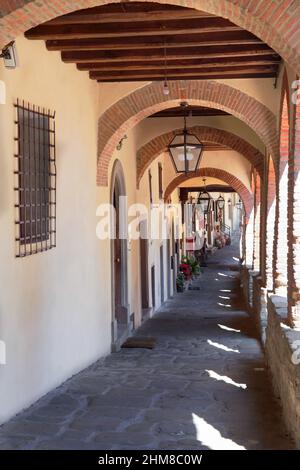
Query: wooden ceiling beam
x,y
192,64
128,17
172,74
166,28
126,41
196,77
181,53
156,42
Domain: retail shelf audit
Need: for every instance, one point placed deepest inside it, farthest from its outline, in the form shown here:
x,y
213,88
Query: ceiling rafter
x,y
127,42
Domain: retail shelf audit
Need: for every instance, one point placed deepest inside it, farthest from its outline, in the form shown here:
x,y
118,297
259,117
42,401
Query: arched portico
x,y
236,184
132,109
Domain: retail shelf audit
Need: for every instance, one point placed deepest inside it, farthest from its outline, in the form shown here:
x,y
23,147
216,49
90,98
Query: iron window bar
x,y
35,179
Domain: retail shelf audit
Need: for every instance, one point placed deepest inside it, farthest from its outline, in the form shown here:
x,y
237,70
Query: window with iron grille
x,y
35,180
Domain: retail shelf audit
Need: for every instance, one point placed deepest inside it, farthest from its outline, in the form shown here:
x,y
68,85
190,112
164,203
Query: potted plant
x,y
185,268
180,282
191,267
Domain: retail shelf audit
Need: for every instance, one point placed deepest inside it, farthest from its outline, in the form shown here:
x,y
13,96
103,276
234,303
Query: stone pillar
x,y
264,281
249,241
183,197
263,228
256,225
280,239
270,224
255,255
294,221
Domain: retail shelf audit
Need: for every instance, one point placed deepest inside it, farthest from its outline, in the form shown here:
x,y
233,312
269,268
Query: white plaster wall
x,y
127,157
263,90
198,181
54,306
110,93
150,128
227,160
143,196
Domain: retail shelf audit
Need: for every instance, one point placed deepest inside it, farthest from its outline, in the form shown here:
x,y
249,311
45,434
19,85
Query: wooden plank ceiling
x,y
146,41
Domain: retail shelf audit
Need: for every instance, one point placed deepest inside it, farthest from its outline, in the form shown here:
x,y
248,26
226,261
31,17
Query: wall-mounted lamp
x,y
10,56
239,204
120,144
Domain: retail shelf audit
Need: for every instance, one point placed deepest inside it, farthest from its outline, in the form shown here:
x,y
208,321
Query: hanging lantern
x,y
239,205
204,199
220,202
185,150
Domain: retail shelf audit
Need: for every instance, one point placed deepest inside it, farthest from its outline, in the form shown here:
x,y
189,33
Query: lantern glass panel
x,y
221,202
204,201
185,150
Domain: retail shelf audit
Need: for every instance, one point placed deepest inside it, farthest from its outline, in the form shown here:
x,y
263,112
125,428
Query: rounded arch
x,y
276,23
117,175
156,146
271,185
234,182
141,103
284,124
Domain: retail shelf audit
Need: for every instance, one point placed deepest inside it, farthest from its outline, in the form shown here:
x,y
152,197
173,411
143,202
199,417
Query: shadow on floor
x,y
204,386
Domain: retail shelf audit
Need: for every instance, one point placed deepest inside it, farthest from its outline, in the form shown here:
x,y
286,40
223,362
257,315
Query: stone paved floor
x,y
204,386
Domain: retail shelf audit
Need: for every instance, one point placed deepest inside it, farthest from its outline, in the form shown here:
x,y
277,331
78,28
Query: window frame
x,y
35,179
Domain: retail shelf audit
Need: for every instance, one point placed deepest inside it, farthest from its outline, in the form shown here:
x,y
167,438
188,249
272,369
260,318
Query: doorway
x,y
168,268
144,274
120,317
162,275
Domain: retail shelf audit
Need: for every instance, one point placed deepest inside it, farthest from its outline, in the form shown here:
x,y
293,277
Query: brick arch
x,y
223,175
141,103
284,129
156,146
276,23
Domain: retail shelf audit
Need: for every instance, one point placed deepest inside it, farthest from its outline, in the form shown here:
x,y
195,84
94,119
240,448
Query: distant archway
x,y
234,182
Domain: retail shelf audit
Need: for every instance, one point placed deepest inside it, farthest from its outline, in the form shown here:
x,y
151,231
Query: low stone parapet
x,y
283,358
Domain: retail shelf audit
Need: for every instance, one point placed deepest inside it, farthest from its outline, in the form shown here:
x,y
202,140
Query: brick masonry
x,y
147,154
280,235
256,225
294,221
275,311
276,22
269,222
141,103
282,345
